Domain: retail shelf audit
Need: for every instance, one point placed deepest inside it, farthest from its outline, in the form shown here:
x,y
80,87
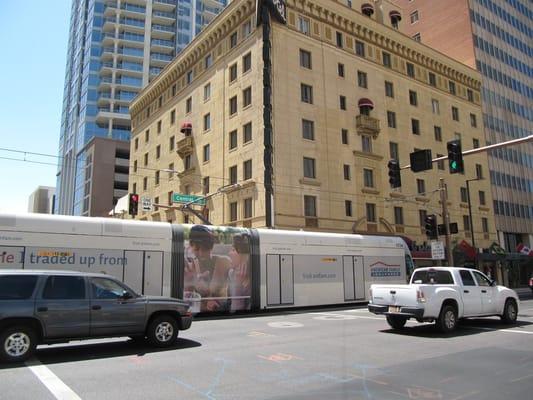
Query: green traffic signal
x,y
455,157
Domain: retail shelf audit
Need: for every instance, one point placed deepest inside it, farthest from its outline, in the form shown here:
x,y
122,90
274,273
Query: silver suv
x,y
45,307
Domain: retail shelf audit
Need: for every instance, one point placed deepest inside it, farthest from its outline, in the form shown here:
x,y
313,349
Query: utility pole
x,y
446,218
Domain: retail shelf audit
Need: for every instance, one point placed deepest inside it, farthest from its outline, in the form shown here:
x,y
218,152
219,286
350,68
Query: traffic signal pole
x,y
446,218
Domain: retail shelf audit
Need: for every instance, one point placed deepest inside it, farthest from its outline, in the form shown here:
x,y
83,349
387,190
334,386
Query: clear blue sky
x,y
33,47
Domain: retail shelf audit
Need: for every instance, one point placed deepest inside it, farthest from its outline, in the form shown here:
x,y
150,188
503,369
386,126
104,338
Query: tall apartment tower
x,y
116,47
495,38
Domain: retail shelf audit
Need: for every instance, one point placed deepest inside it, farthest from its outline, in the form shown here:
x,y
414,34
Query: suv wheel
x,y
18,343
510,312
162,331
447,321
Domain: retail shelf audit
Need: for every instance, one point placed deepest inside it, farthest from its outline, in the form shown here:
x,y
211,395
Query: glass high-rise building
x,y
115,48
494,37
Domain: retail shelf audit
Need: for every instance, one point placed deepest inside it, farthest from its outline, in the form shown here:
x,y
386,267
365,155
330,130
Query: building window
x,y
466,223
482,200
346,172
248,209
473,120
233,211
438,133
188,105
417,37
432,79
309,168
136,143
359,48
475,143
187,162
479,171
440,163
414,16
247,132
308,129
421,186
464,195
470,95
368,178
233,175
170,170
387,60
455,113
413,98
174,87
340,70
207,122
233,72
342,102
233,105
389,89
246,63
394,151
147,136
310,206
348,208
156,177
207,151
306,93
169,198
246,28
247,97
205,185
233,140
145,183
189,77
370,212
366,143
208,61
338,37
362,79
435,107
422,214
344,136
305,59
410,70
134,167
145,159
172,117
415,126
233,40
158,151
304,25
247,170
485,225
207,92
134,188
398,215
451,86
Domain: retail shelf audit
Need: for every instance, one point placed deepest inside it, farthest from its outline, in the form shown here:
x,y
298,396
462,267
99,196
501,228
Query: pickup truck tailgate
x,y
395,295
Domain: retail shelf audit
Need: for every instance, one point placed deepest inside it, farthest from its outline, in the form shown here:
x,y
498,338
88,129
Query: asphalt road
x,y
320,354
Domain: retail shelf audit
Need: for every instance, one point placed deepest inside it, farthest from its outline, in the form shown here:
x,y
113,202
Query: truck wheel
x,y
510,312
396,321
162,331
18,343
447,321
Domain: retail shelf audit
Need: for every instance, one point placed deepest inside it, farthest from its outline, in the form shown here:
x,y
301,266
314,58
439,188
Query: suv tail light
x,y
420,298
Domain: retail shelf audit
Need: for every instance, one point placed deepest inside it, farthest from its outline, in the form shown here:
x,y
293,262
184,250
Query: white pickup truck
x,y
443,295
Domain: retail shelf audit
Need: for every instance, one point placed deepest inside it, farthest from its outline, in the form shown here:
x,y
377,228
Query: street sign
x,y
437,251
188,198
146,204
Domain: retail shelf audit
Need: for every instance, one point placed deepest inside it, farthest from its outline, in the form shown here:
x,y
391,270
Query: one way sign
x,y
146,203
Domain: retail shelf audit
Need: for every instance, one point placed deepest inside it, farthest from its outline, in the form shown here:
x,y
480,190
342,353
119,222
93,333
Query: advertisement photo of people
x,y
217,268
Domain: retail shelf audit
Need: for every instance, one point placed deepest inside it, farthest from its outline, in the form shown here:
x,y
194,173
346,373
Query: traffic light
x,y
455,157
430,224
133,204
395,179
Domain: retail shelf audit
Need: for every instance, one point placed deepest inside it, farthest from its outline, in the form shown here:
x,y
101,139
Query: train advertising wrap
x,y
217,268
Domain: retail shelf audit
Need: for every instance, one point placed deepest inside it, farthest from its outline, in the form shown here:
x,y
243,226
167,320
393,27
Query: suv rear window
x,y
433,277
17,287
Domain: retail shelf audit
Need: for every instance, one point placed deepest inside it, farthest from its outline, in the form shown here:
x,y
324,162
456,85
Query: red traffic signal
x,y
133,204
395,179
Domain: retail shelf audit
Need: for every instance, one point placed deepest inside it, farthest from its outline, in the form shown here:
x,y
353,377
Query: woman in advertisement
x,y
239,287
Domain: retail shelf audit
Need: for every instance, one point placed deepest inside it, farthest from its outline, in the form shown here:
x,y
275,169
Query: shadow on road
x,y
466,327
93,351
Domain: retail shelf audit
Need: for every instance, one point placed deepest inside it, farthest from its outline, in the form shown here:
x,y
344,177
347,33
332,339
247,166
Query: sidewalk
x,y
524,293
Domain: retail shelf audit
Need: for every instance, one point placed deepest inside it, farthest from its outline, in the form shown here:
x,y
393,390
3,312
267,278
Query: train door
x,y
153,273
280,279
354,279
133,270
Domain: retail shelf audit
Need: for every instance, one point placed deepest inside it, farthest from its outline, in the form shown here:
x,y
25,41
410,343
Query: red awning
x,y
186,127
395,15
365,103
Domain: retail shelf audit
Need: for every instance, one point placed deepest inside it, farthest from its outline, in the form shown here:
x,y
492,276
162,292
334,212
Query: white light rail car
x,y
217,268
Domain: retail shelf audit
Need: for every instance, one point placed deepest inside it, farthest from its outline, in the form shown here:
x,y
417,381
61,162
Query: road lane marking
x,y
497,330
522,378
464,396
55,385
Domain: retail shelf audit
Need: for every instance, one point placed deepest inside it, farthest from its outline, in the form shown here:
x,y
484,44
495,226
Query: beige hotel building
x,y
344,92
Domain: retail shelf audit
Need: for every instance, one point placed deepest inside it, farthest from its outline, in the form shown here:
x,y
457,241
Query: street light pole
x,y
470,213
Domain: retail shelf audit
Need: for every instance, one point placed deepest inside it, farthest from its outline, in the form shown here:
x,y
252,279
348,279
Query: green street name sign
x,y
188,198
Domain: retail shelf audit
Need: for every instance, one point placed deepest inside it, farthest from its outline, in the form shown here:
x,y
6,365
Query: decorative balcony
x,y
367,125
185,146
